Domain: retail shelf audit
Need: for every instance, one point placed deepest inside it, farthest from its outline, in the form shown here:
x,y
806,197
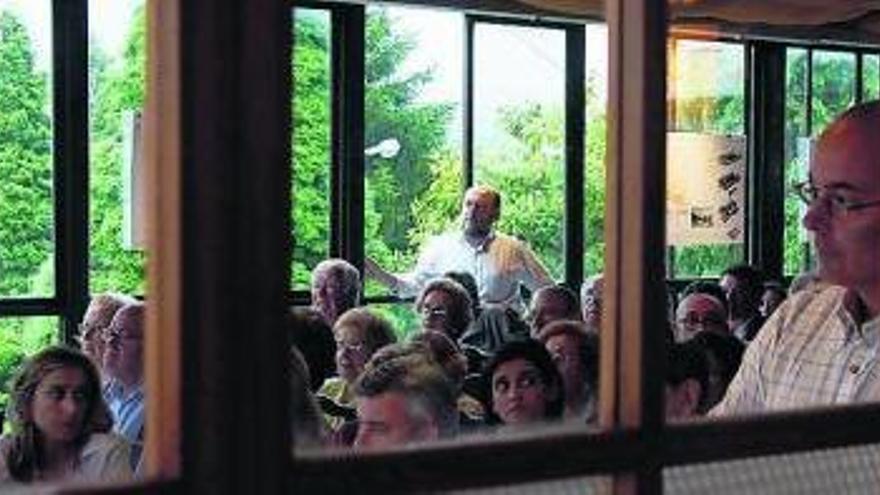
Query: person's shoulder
x,y
103,444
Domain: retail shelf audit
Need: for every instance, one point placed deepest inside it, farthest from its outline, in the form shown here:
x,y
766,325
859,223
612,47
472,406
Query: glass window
x,y
834,76
797,148
311,142
594,176
706,196
412,131
27,249
871,77
519,132
117,54
19,338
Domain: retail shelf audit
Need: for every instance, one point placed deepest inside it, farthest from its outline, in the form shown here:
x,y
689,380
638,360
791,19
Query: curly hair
x,y
25,456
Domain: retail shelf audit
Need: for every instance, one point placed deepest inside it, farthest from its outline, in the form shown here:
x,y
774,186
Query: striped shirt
x,y
811,352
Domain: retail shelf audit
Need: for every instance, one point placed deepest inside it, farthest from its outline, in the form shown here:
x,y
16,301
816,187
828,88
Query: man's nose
x,y
817,216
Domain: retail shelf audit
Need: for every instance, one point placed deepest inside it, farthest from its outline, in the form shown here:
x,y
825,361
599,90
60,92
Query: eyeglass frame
x,y
809,193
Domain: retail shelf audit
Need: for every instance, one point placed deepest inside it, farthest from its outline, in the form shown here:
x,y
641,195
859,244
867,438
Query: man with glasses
x,y
100,312
821,346
124,366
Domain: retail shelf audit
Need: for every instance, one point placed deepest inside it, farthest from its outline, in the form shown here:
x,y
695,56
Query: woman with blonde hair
x,y
60,424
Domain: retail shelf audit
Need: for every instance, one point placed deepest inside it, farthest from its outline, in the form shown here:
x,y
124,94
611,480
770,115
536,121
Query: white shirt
x,y
811,352
499,265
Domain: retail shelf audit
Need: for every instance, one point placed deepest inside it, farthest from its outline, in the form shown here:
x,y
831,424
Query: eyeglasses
x,y
354,347
833,199
693,320
436,312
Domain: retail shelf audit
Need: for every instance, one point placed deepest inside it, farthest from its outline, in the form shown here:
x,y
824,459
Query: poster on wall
x,y
705,188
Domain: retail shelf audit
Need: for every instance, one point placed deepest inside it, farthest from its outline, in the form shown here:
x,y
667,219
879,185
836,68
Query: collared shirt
x,y
811,352
128,416
499,265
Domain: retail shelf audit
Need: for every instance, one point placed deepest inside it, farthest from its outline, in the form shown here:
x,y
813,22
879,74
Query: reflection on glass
x,y
871,75
834,75
311,142
117,54
594,176
705,197
27,245
519,132
797,146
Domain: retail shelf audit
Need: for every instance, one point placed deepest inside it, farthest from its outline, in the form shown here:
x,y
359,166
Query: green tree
x,y
25,162
116,86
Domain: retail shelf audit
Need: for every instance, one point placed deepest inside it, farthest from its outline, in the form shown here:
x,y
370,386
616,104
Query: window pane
x,y
834,76
412,136
116,95
705,197
26,206
797,148
519,132
19,338
871,75
311,142
594,177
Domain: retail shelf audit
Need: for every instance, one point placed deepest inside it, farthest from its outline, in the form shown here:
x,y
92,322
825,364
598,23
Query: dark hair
x,y
312,335
688,361
535,353
25,456
749,285
727,352
461,315
469,283
417,377
561,293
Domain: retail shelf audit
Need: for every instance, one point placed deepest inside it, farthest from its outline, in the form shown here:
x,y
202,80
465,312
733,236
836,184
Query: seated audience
x,y
100,312
359,333
701,309
723,356
404,400
445,306
575,350
336,288
312,336
124,367
495,327
687,381
772,297
526,388
816,348
552,303
59,425
591,301
743,286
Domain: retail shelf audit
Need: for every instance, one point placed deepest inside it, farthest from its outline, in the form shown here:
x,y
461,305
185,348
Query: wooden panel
x,y
162,156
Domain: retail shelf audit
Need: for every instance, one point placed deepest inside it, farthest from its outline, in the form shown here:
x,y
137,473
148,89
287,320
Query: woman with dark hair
x,y
60,425
525,385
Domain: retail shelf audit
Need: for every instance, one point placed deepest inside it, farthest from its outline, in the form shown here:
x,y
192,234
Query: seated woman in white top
x,y
60,424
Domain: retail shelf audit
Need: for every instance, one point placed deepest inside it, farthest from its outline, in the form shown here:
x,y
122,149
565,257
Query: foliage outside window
x,y
706,85
796,252
26,209
311,143
20,338
116,86
871,75
594,174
